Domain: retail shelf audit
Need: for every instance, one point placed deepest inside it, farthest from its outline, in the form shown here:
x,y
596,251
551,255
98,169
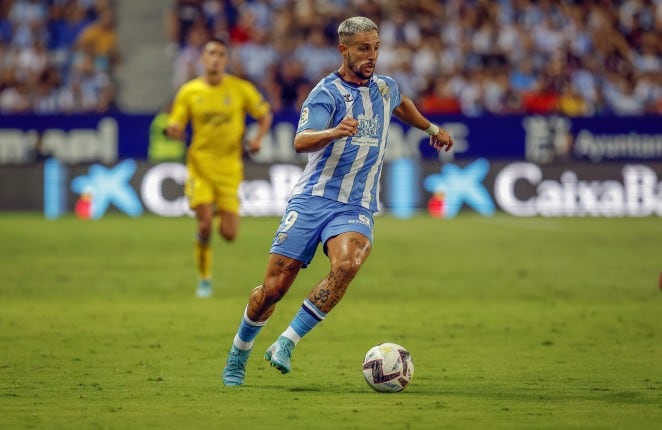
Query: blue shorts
x,y
309,220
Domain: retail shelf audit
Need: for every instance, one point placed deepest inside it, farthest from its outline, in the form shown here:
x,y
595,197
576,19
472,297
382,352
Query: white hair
x,y
354,25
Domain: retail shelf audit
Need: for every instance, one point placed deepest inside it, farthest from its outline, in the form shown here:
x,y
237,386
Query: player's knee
x,y
346,267
259,306
228,235
204,229
273,290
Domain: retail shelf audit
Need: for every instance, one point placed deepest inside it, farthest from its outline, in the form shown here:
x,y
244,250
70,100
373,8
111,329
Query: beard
x,y
356,69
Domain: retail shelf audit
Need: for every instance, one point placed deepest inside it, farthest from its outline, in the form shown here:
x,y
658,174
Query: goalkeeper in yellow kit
x,y
216,104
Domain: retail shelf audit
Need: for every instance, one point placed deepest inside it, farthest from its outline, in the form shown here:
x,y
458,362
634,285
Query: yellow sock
x,y
203,259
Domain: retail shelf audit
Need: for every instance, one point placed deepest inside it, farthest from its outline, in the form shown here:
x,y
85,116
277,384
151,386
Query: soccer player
x,y
216,104
343,126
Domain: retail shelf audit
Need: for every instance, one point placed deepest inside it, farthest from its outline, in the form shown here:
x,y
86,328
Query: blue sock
x,y
304,321
247,332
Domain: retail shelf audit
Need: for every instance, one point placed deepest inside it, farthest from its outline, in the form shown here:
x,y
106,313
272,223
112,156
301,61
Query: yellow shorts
x,y
223,193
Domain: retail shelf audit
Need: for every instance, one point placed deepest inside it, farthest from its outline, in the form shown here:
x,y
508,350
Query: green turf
x,y
512,323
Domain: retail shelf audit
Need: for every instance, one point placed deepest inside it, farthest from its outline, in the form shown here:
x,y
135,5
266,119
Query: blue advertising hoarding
x,y
540,139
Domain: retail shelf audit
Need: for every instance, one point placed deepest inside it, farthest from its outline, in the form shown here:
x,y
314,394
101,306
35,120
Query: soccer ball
x,y
388,367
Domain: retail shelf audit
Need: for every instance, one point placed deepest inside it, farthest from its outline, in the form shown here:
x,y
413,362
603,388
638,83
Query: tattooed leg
x,y
281,273
347,253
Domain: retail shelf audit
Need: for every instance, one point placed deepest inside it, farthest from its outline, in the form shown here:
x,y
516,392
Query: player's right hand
x,y
174,131
347,127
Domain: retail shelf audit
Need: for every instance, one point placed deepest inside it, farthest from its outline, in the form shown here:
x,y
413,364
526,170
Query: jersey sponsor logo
x,y
365,141
215,118
368,131
369,125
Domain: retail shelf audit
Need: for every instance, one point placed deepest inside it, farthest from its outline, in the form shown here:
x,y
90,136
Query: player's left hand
x,y
253,145
441,139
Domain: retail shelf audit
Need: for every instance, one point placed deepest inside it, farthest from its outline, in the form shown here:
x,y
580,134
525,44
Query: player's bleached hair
x,y
356,24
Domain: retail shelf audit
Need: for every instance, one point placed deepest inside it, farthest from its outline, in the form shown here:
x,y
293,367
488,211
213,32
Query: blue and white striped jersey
x,y
348,169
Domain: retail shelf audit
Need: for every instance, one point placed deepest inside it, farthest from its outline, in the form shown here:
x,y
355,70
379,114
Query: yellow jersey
x,y
218,119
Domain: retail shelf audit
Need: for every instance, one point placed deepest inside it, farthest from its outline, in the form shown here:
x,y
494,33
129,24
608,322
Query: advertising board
x,y
442,190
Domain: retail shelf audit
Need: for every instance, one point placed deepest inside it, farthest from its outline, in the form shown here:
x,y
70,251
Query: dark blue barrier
x,y
109,138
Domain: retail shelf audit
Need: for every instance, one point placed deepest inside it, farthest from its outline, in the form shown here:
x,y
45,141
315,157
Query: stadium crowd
x,y
470,57
57,56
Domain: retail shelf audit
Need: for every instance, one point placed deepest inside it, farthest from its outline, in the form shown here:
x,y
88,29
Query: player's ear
x,y
342,48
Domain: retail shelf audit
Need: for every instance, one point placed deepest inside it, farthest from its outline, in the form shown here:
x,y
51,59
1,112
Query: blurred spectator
x,y
187,61
244,27
99,39
318,55
291,85
621,96
183,15
495,89
471,94
31,61
8,56
255,58
25,16
93,90
15,98
571,103
543,100
522,76
51,96
5,25
56,56
439,99
27,33
67,22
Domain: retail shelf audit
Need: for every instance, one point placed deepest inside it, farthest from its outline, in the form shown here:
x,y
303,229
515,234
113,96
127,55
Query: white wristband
x,y
432,130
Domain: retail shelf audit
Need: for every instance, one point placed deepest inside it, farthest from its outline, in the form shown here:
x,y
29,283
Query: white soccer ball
x,y
388,367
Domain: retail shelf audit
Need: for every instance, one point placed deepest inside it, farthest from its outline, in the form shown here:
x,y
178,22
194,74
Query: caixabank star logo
x,y
103,186
97,190
455,186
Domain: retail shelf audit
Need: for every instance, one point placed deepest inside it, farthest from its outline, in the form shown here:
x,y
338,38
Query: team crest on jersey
x,y
304,116
280,238
384,90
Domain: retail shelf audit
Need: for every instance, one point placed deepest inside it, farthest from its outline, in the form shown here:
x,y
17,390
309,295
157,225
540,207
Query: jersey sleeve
x,y
395,90
317,111
179,113
256,106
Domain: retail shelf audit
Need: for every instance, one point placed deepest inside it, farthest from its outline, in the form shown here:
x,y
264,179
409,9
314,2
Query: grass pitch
x,y
512,323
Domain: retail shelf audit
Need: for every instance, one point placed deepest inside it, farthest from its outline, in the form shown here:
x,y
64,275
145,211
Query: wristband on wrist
x,y
432,130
